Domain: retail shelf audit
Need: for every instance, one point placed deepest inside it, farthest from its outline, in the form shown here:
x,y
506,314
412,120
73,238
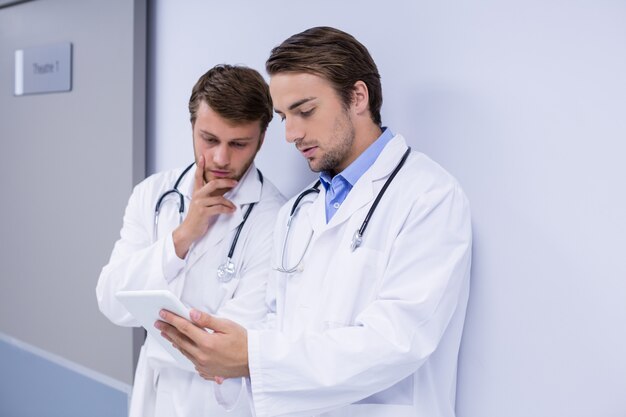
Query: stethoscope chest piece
x,y
226,271
357,239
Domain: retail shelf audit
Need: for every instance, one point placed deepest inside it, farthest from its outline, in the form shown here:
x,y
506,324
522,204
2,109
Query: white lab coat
x,y
374,332
138,262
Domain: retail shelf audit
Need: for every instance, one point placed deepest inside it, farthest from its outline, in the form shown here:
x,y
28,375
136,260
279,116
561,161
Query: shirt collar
x,y
357,168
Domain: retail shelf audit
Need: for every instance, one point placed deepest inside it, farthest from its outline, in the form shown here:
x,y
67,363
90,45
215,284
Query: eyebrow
x,y
243,138
207,133
298,103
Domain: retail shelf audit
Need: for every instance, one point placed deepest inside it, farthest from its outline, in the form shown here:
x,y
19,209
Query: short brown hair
x,y
237,93
333,55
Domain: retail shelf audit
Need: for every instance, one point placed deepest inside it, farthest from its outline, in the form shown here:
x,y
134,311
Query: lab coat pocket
x,y
350,285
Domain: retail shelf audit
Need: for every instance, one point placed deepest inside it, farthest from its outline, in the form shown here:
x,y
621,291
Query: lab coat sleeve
x,y
136,262
422,285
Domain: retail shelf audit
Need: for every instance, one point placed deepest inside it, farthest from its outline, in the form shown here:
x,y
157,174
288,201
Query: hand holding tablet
x,y
145,306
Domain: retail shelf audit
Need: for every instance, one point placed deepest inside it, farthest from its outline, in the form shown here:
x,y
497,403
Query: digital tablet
x,y
145,306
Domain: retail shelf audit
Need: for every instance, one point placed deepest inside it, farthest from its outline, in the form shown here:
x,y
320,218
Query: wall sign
x,y
43,69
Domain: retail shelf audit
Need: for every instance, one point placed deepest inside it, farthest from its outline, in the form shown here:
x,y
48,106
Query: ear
x,y
360,98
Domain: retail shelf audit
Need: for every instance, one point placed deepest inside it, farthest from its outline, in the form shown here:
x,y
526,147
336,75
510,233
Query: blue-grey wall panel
x,y
32,385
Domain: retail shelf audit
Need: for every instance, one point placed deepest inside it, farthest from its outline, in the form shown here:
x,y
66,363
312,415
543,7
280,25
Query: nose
x,y
221,156
293,131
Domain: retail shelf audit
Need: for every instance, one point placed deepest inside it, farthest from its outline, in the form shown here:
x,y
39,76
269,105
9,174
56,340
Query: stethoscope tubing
x,y
174,190
366,221
357,239
181,210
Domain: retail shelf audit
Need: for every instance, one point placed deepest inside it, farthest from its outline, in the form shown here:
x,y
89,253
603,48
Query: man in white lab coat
x,y
371,274
220,196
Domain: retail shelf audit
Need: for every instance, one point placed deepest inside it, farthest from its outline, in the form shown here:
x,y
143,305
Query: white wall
x,y
525,102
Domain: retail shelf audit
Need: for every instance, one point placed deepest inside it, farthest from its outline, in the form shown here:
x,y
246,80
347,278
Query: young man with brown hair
x,y
371,264
180,227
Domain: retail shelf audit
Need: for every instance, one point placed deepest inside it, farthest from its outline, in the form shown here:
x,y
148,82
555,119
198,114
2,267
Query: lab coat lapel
x,y
367,187
246,192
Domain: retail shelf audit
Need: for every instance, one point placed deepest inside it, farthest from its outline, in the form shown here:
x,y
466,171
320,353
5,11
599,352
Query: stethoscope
x,y
357,238
226,270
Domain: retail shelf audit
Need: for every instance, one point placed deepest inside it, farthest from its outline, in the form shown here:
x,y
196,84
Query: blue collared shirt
x,y
338,187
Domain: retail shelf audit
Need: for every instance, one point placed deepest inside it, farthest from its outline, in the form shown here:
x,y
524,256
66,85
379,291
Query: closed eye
x,y
307,113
